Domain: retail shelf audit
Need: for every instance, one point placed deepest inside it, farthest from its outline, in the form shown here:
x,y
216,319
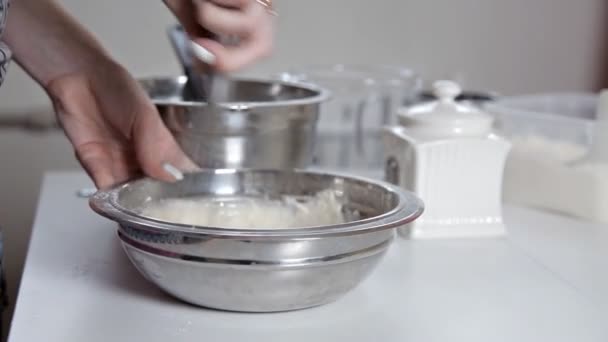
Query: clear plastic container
x,y
560,116
548,166
364,98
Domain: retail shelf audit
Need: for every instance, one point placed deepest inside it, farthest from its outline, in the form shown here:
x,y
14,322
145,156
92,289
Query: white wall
x,y
511,46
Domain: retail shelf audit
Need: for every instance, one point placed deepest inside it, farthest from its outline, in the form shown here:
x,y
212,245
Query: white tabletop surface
x,y
547,281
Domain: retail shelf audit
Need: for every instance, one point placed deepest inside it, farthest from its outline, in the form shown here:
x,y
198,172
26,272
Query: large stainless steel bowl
x,y
266,124
259,270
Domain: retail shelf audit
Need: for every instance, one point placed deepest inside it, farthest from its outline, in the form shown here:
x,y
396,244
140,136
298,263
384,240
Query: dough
x,y
249,212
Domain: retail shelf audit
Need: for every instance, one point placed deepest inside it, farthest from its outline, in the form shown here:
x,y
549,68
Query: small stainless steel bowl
x,y
259,270
266,124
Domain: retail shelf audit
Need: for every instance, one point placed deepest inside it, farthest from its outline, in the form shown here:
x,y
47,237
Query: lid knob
x,y
446,90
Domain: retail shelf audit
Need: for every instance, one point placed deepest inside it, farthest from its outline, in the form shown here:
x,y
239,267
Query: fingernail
x,y
86,192
202,53
173,171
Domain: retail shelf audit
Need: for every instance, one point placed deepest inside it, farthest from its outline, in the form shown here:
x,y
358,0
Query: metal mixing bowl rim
x,y
322,94
409,208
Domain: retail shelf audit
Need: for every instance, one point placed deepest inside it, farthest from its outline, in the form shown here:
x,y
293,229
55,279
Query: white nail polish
x,y
173,171
86,192
202,53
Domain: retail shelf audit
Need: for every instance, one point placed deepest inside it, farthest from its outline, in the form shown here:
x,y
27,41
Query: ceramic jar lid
x,y
445,118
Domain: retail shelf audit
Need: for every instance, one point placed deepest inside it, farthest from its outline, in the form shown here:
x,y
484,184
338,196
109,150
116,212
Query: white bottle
x,y
448,155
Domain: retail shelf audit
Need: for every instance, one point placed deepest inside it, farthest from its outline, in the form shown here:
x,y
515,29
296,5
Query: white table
x,y
546,282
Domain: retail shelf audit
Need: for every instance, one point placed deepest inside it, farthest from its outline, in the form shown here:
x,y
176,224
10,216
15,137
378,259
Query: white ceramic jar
x,y
447,153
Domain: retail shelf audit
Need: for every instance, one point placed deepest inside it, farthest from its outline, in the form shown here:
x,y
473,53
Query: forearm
x,y
47,42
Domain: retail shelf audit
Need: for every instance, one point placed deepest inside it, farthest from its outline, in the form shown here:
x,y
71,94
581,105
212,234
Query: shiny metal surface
x,y
267,124
259,270
252,288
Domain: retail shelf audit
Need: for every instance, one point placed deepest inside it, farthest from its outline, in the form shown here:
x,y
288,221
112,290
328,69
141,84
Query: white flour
x,y
249,213
540,172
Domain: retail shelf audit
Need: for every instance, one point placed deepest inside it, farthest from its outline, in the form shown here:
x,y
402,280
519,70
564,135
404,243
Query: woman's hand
x,y
249,21
114,127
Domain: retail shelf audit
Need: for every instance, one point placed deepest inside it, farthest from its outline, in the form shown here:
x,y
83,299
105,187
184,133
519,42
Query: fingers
x,y
114,127
124,164
245,20
183,11
235,4
147,143
251,24
97,160
73,101
155,147
223,21
229,59
101,150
